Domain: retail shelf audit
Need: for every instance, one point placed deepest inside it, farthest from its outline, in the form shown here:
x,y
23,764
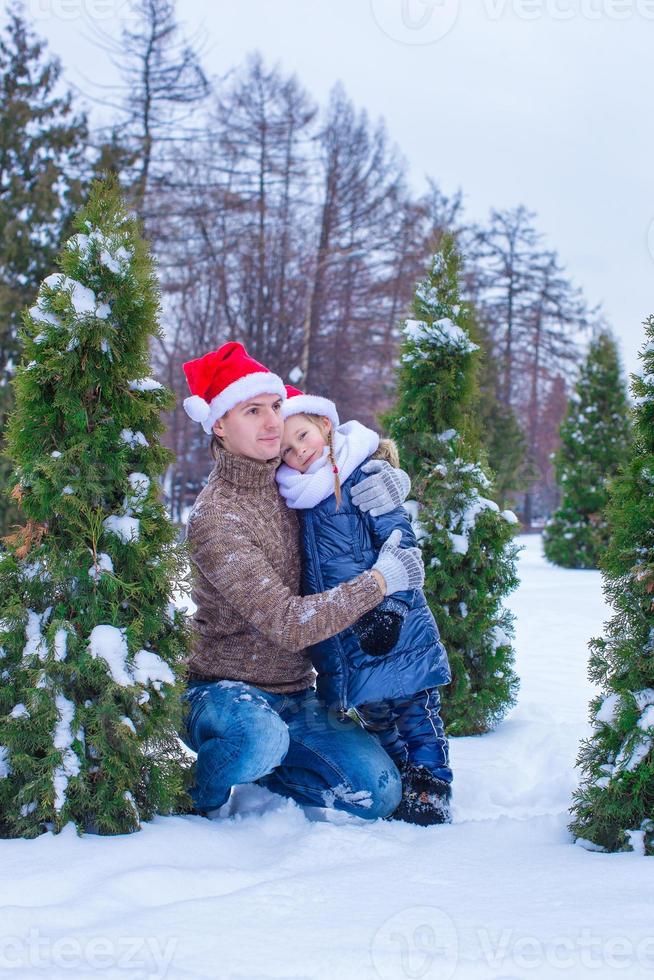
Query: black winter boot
x,y
425,797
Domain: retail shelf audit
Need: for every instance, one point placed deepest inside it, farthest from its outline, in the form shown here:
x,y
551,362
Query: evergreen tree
x,y
42,143
614,806
595,436
92,649
466,541
503,440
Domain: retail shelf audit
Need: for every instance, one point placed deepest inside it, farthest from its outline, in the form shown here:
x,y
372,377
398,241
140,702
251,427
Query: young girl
x,y
389,665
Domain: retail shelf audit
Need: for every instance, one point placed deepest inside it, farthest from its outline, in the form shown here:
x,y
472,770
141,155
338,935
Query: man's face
x,y
253,428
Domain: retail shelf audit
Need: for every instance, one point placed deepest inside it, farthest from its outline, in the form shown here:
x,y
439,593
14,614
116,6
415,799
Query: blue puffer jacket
x,y
336,546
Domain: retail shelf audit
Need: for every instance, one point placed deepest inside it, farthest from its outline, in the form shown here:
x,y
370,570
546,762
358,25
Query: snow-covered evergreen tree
x,y
595,437
614,806
91,647
466,542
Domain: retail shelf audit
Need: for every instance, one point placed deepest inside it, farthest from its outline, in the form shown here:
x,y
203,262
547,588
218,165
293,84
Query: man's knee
x,y
236,730
373,787
386,796
264,742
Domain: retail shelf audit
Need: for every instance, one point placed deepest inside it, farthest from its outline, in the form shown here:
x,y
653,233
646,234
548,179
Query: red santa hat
x,y
297,403
221,379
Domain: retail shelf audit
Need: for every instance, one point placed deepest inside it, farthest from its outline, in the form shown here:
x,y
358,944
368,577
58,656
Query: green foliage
x,y
614,806
42,145
466,543
595,437
92,649
503,440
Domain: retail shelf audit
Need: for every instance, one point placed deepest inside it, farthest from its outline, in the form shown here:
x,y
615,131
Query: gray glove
x,y
402,568
382,492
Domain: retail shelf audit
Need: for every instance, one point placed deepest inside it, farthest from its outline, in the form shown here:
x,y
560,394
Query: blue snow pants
x,y
411,730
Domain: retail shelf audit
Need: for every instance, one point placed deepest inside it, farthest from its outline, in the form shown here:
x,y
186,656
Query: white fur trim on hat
x,y
196,408
311,405
250,385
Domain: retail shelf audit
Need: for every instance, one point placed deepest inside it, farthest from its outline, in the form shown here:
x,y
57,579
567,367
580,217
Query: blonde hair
x,y
328,435
387,450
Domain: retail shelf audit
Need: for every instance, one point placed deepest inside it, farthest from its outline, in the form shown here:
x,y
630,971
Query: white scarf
x,y
353,443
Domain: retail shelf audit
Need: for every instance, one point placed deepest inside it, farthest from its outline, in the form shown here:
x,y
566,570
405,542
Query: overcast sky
x,y
548,103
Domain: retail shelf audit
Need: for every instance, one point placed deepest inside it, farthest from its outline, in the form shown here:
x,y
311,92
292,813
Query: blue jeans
x,y
288,743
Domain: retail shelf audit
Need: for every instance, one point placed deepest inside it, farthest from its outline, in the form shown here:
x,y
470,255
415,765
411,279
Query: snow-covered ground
x,y
270,891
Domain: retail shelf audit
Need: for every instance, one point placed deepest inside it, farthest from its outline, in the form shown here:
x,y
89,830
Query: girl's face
x,y
303,442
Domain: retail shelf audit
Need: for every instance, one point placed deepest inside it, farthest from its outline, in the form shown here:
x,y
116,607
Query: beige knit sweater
x,y
251,624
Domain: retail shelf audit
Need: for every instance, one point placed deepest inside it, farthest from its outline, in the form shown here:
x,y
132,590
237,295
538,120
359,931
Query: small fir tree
x,y
502,439
91,646
595,438
614,806
466,542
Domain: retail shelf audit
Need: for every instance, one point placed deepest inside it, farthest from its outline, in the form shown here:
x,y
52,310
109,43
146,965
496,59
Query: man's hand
x,y
382,492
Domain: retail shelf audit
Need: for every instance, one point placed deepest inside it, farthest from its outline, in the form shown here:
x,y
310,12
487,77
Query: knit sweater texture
x,y
251,624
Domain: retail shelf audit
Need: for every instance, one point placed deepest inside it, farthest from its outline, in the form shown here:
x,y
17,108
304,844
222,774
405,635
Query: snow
x,y
645,697
35,640
116,263
269,890
145,384
467,520
41,315
102,564
149,668
108,643
646,720
123,526
5,768
441,333
133,439
608,709
632,753
19,711
60,644
83,299
139,484
62,740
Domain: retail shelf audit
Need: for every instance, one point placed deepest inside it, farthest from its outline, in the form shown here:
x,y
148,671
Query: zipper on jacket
x,y
314,552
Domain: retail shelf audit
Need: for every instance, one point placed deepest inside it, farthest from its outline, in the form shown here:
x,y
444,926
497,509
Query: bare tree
x,y
162,87
535,319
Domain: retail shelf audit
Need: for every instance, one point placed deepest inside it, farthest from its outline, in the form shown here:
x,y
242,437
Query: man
x,y
253,712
